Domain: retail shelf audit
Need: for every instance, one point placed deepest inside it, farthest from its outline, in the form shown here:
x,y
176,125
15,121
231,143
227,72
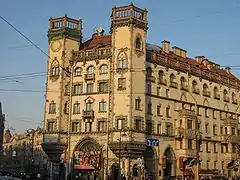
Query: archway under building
x,y
149,162
170,169
87,160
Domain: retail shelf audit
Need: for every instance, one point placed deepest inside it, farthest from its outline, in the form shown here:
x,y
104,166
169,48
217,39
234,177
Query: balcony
x,y
162,81
190,133
173,84
230,121
88,114
179,133
187,113
89,77
151,78
231,139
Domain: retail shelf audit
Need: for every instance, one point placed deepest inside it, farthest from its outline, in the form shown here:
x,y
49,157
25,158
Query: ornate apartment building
x,y
110,94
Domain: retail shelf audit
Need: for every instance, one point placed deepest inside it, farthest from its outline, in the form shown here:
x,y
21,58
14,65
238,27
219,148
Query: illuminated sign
x,y
152,142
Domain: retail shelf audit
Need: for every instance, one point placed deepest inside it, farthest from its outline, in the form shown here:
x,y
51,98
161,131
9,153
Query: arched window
x,y
138,43
173,82
161,77
234,98
183,84
205,90
90,70
195,87
54,69
78,71
216,93
122,60
225,96
103,69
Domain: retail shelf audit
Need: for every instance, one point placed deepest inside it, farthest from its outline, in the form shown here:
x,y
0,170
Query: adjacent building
x,y
106,97
23,152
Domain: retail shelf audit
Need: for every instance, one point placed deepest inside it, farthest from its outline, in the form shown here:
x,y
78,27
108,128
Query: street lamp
x,y
120,146
30,135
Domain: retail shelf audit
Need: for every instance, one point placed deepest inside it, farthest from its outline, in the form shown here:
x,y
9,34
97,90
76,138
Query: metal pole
x,y
119,158
69,123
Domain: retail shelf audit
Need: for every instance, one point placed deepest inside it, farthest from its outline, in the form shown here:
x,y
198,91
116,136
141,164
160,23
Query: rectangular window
x,y
215,165
214,130
103,87
214,114
75,127
138,124
101,125
52,108
159,129
168,112
88,127
159,110
221,130
158,91
103,106
206,112
51,126
120,124
90,88
190,145
167,93
89,106
198,126
76,108
169,129
207,164
206,128
77,89
121,83
233,131
189,124
207,147
138,104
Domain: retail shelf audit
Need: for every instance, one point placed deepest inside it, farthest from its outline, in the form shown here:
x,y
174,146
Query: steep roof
x,y
95,41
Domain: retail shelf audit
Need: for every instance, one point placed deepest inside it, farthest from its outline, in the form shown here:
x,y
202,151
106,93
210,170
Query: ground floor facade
x,y
91,156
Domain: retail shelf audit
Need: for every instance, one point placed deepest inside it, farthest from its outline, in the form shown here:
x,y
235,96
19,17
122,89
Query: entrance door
x,y
149,161
170,168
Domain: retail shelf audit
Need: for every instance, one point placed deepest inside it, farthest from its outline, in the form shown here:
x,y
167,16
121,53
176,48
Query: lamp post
x,y
119,158
30,135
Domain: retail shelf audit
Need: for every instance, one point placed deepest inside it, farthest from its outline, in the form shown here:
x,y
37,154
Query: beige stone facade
x,y
121,85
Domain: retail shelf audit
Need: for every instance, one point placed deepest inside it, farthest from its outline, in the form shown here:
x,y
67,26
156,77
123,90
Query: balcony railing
x,y
88,114
179,133
89,77
187,112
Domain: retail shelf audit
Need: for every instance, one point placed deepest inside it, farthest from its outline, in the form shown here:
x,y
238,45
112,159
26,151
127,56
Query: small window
x,y
90,70
78,71
138,43
90,88
101,125
120,124
121,83
52,108
51,126
76,108
159,110
75,127
88,127
189,124
159,129
138,104
190,143
103,106
54,69
138,124
77,89
103,69
89,106
168,112
103,87
122,64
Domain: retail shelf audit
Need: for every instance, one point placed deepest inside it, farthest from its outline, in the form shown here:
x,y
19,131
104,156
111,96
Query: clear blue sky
x,y
206,27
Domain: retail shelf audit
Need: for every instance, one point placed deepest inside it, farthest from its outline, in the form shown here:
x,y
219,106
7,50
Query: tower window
x,y
52,108
122,63
138,43
54,69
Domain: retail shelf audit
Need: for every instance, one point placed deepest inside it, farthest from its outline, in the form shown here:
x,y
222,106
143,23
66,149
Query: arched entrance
x,y
115,171
149,162
170,164
87,159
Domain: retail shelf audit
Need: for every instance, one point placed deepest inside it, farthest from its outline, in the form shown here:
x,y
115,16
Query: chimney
x,y
228,70
165,46
179,52
199,59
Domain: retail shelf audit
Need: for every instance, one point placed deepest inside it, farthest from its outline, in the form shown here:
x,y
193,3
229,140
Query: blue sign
x,y
152,142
